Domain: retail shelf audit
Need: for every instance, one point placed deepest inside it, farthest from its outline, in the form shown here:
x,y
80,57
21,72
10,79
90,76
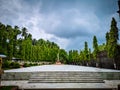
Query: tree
x,y
27,48
63,56
70,56
10,34
86,51
29,36
3,38
107,38
82,55
113,40
24,32
15,41
102,47
89,53
34,41
95,47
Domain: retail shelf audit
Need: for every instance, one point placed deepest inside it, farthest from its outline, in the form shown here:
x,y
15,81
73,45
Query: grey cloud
x,y
71,21
71,33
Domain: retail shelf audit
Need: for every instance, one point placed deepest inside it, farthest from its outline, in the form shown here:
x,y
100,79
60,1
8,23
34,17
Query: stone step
x,y
65,77
67,72
66,81
70,80
86,78
62,74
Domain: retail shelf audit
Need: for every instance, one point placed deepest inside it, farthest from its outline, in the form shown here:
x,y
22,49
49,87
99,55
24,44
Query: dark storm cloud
x,y
67,22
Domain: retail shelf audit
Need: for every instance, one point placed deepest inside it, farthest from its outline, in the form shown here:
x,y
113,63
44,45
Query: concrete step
x,y
66,72
65,77
68,77
69,74
66,81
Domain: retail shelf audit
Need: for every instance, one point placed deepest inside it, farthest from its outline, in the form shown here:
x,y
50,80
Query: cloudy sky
x,y
69,23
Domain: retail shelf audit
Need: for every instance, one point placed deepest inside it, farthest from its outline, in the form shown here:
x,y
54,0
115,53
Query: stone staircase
x,y
66,77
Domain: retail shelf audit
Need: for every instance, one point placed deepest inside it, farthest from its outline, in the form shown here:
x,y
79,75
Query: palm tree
x,y
24,32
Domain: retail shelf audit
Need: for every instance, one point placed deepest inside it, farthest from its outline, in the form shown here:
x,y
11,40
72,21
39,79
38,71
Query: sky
x,y
69,23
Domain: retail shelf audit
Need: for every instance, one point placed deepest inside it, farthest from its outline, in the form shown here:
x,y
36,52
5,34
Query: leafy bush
x,y
6,64
26,65
31,64
16,65
9,65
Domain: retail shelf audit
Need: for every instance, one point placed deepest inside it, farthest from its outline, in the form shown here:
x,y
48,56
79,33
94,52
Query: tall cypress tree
x,y
86,51
95,47
113,40
107,38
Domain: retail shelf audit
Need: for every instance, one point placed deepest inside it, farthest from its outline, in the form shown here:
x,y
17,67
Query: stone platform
x,y
62,77
61,68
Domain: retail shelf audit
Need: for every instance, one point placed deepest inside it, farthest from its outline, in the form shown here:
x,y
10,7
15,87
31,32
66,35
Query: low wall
x,y
26,75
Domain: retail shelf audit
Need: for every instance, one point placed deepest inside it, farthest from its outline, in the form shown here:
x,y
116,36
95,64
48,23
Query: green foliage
x,y
95,47
73,56
86,52
6,64
26,65
16,65
25,47
107,38
63,56
82,55
102,47
112,41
